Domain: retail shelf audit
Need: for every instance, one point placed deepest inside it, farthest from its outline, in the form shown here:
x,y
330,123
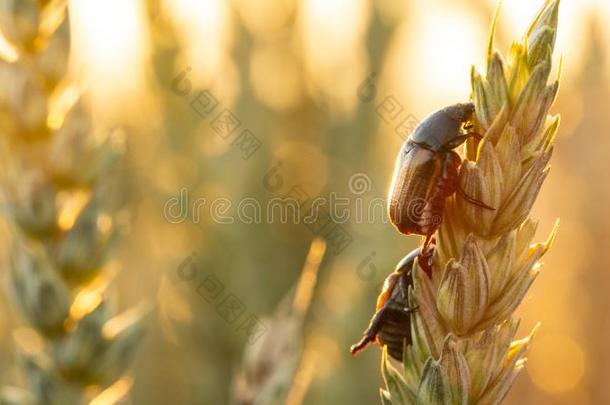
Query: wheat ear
x,y
275,369
62,209
463,349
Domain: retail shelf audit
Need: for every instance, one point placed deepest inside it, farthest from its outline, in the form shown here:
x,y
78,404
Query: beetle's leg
x,y
460,139
428,241
473,200
455,142
426,262
475,135
370,334
410,310
425,258
468,127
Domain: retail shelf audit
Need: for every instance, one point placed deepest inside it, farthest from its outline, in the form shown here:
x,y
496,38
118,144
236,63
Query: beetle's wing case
x,y
415,174
406,263
386,291
391,323
401,275
396,330
404,269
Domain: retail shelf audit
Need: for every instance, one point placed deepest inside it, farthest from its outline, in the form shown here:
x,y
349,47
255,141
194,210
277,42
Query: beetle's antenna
x,y
473,200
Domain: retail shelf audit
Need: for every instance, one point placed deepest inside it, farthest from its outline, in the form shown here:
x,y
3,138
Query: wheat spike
x,y
63,212
463,349
277,367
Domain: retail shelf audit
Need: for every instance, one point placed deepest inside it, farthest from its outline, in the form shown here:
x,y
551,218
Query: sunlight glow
x,y
602,12
331,28
265,18
61,103
204,28
556,363
275,75
114,394
124,320
28,340
111,48
516,15
71,206
85,302
333,36
8,52
438,45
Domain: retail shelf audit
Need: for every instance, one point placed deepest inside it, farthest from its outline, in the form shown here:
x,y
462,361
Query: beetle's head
x,y
442,130
460,112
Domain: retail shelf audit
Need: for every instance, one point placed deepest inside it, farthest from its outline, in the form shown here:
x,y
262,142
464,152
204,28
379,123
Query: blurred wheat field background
x,y
223,101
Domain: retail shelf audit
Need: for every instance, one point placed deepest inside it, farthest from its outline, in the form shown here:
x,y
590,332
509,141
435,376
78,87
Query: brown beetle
x,y
391,324
426,172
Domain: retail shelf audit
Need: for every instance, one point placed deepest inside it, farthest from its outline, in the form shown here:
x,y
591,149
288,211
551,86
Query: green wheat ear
x,y
62,214
463,333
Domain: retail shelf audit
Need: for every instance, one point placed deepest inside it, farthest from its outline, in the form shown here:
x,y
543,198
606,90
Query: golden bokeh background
x,y
294,72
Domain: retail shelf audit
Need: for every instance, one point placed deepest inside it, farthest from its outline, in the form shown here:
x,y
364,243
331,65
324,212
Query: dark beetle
x,y
426,172
391,324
